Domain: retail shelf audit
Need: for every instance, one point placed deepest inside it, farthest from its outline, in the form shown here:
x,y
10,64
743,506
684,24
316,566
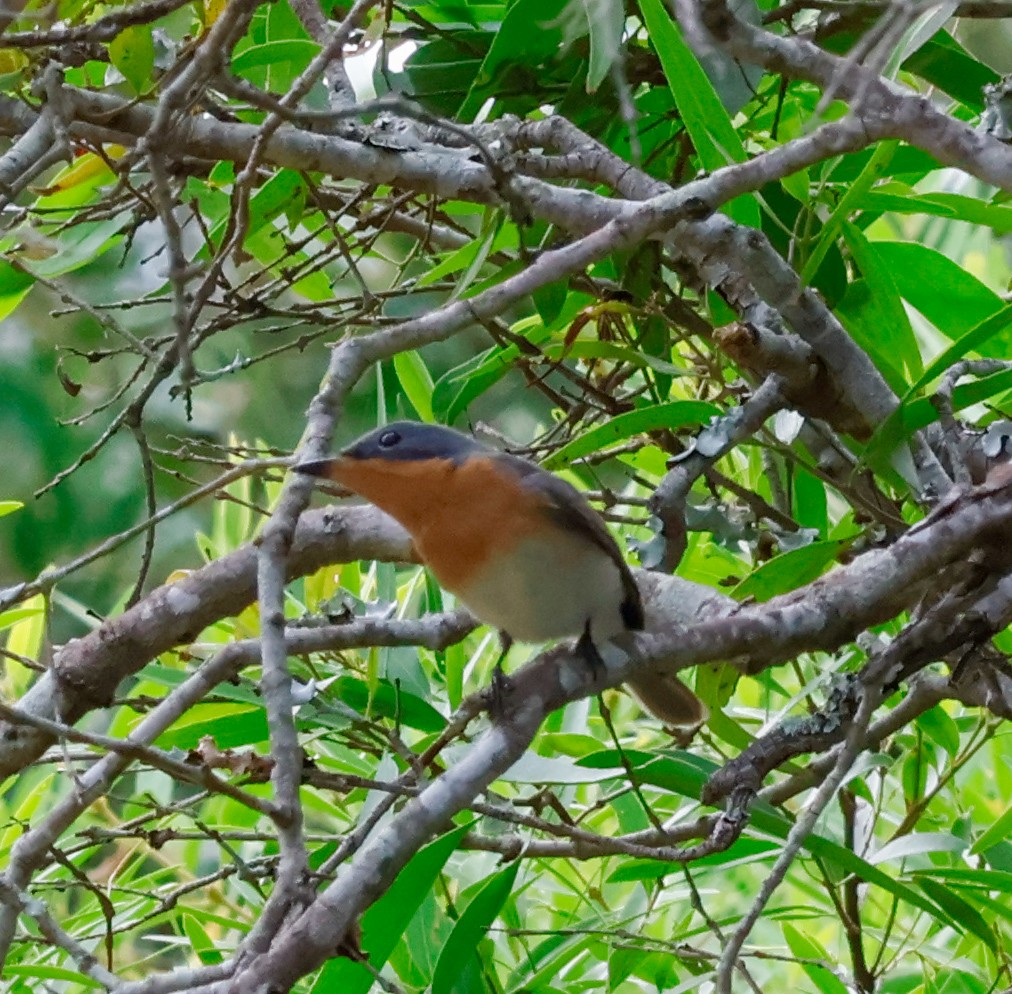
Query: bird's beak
x,y
319,467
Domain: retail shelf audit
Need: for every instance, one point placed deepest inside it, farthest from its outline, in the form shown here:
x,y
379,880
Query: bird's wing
x,y
662,694
567,506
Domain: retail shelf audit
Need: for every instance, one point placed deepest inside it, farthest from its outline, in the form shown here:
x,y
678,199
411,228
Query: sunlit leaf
x,y
416,381
132,52
788,571
676,414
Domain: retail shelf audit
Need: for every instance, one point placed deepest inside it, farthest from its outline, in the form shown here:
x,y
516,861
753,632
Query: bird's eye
x,y
389,439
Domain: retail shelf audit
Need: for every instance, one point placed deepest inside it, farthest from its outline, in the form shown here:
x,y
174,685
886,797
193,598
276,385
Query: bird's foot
x,y
498,691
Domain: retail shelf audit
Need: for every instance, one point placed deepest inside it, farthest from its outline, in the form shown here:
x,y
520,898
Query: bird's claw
x,y
498,692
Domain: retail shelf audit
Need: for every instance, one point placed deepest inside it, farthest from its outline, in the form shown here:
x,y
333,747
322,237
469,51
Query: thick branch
x,y
881,104
88,670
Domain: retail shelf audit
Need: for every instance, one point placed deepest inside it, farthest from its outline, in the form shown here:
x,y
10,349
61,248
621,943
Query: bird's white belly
x,y
549,590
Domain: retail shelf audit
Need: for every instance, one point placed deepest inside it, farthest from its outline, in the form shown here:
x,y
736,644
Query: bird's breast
x,y
478,516
549,585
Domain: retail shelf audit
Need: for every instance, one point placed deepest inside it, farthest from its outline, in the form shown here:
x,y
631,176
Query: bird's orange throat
x,y
459,515
408,490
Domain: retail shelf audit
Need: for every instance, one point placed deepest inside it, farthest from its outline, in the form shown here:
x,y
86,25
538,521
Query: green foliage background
x,y
913,259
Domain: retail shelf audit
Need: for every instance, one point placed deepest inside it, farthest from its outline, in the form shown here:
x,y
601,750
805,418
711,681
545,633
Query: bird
x,y
518,546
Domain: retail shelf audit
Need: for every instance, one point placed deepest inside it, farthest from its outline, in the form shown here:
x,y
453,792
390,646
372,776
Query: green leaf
x,y
28,631
678,771
675,414
81,245
538,971
972,341
606,24
877,164
458,952
984,879
713,136
914,773
15,285
944,63
916,843
999,831
277,195
686,773
914,413
729,730
200,942
455,390
132,52
951,205
788,571
895,338
529,35
940,728
36,971
167,676
609,350
804,947
20,814
9,507
9,302
912,164
810,502
416,381
229,726
455,666
716,142
384,923
470,257
549,301
440,73
768,820
960,910
388,701
951,298
743,850
295,50
798,185
715,684
16,614
492,236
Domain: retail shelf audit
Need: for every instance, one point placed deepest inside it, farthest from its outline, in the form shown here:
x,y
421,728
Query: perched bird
x,y
519,547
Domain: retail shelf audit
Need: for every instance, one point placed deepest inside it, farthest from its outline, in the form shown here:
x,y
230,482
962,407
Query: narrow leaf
x,y
471,927
788,571
675,414
384,923
895,336
713,136
416,381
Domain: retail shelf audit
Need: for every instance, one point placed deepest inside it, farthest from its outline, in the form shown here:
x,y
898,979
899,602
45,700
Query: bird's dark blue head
x,y
403,443
402,468
411,441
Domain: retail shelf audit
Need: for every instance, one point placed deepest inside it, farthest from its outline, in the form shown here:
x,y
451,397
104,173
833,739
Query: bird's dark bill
x,y
317,467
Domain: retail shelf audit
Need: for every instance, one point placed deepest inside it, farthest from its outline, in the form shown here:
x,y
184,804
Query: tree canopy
x,y
738,270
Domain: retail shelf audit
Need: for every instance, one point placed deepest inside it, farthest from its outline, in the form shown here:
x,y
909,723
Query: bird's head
x,y
398,442
403,468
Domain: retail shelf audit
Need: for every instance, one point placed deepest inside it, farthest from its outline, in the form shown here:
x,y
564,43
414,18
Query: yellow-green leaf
x,y
132,52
